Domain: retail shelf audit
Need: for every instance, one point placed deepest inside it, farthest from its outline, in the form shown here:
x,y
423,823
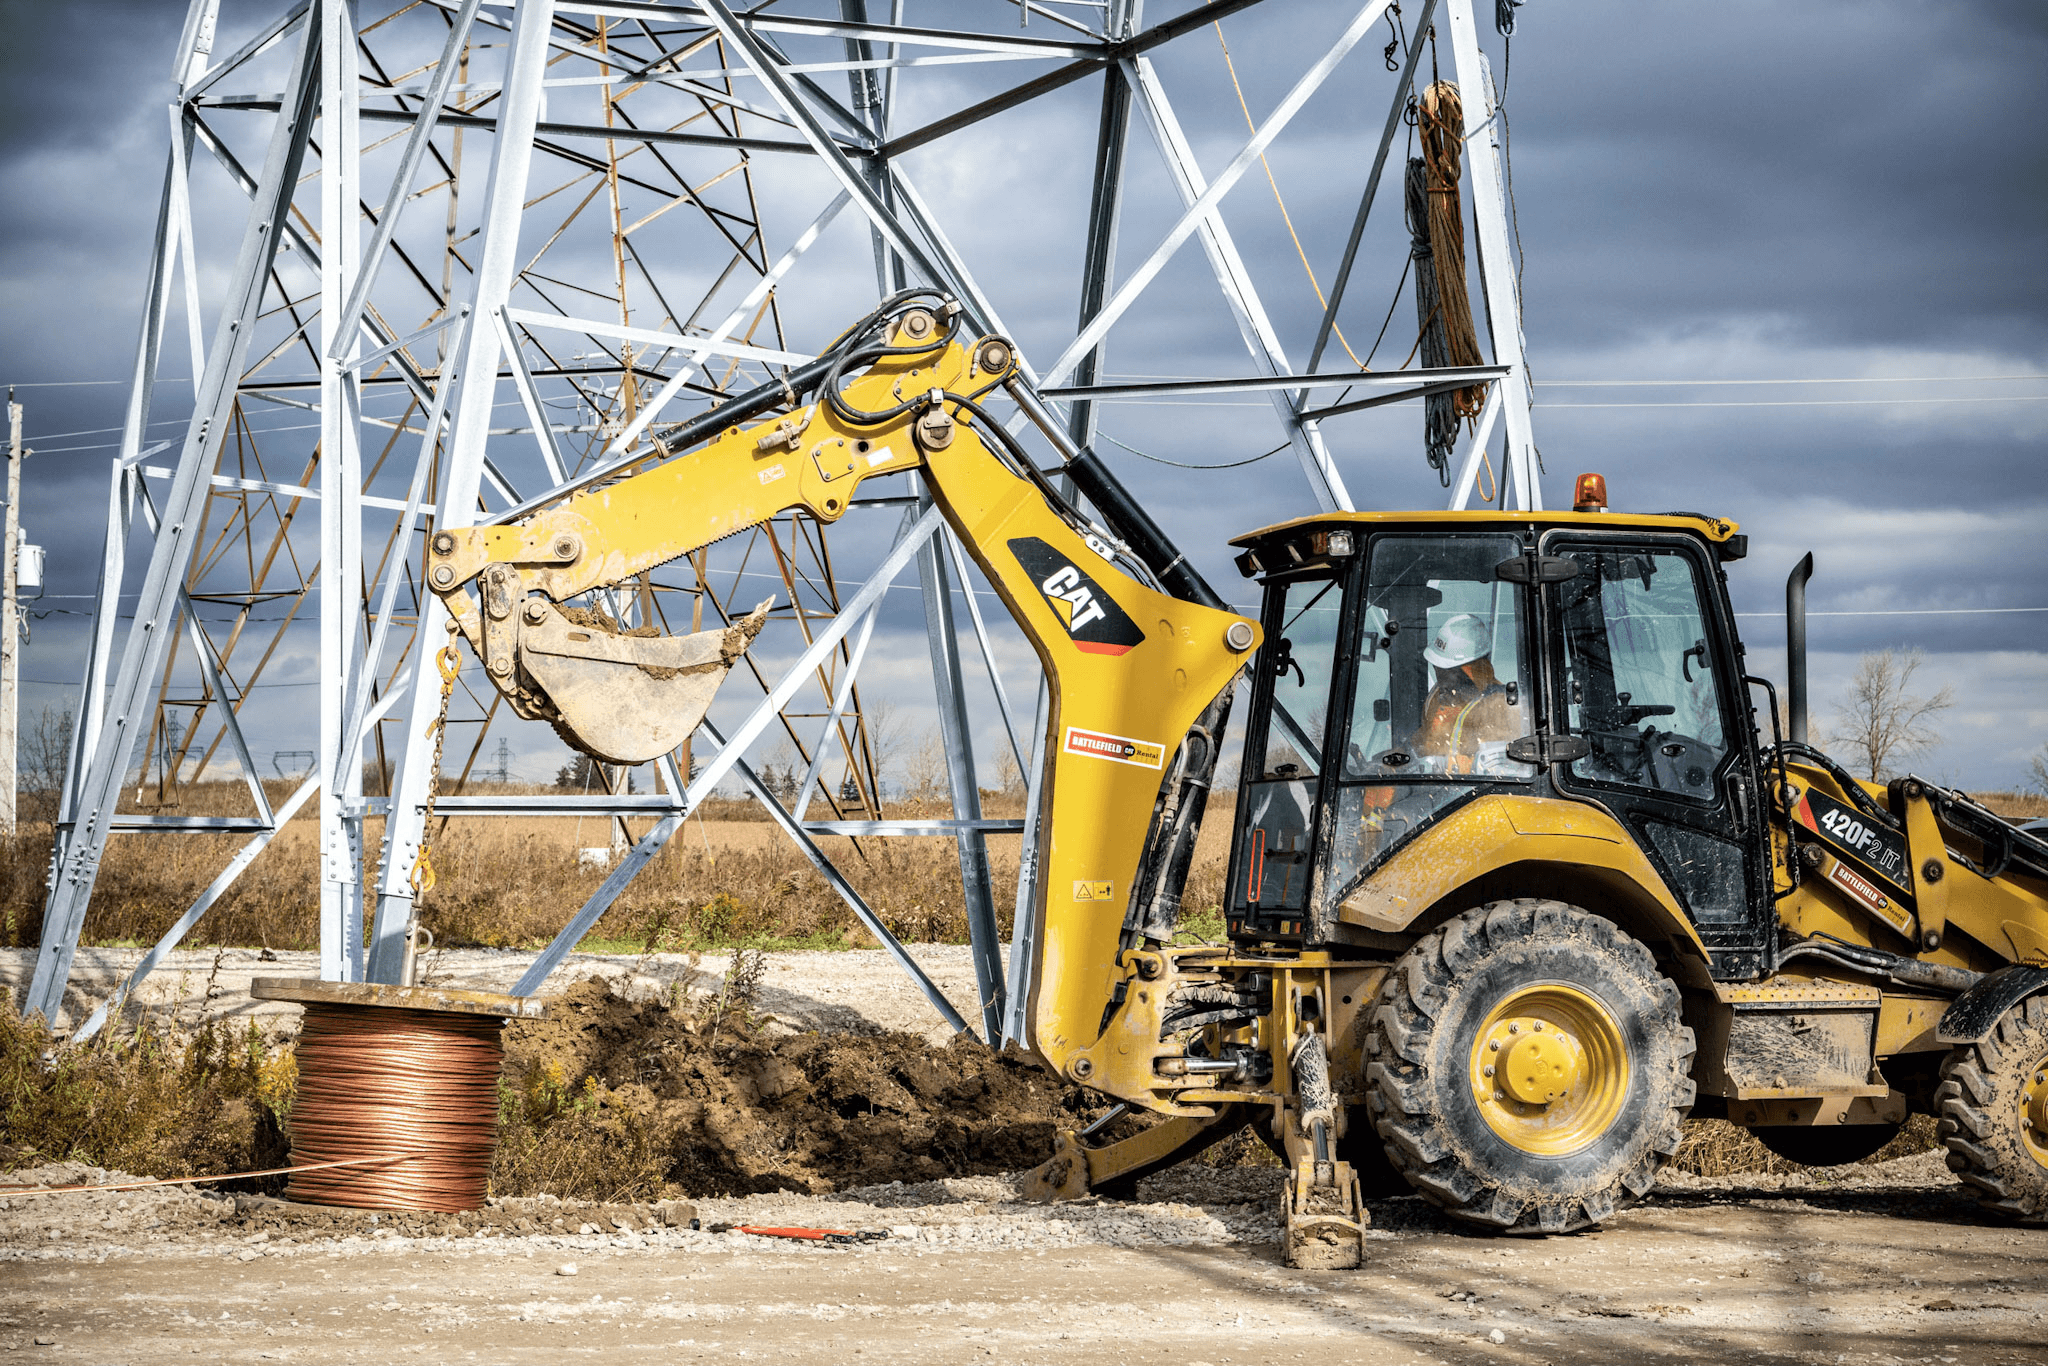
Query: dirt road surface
x,y
1891,1266
1869,1265
856,990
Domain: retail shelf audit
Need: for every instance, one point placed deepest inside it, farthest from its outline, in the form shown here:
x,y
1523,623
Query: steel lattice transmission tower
x,y
478,255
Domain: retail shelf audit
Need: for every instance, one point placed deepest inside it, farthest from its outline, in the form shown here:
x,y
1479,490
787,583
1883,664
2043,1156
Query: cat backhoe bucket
x,y
620,696
629,698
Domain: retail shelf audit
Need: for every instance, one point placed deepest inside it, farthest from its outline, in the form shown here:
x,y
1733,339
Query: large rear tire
x,y
1527,1068
1993,1105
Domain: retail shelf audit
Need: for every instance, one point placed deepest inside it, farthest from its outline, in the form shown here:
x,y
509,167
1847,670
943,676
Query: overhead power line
x,y
1909,612
1805,402
1854,379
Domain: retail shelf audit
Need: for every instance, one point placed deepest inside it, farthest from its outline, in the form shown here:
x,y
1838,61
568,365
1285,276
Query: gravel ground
x,y
855,990
1877,1265
1891,1265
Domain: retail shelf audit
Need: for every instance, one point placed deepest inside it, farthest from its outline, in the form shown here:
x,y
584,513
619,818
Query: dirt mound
x,y
610,1098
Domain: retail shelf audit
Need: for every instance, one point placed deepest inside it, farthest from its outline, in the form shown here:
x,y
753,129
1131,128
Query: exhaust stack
x,y
1795,646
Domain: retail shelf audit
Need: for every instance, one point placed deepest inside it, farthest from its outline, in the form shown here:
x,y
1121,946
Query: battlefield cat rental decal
x,y
1118,749
1092,618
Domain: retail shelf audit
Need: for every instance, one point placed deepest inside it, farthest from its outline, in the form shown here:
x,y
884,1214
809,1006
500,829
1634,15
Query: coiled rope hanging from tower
x,y
1443,301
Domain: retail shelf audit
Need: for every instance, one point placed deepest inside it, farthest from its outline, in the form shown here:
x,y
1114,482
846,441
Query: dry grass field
x,y
729,877
213,1100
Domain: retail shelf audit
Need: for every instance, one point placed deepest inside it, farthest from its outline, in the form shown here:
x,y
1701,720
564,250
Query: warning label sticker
x,y
1093,891
1117,748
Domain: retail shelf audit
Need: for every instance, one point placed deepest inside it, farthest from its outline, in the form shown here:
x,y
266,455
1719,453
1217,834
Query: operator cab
x,y
1418,662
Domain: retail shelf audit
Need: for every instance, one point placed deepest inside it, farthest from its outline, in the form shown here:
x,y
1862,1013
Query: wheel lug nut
x,y
1538,1026
1489,1070
1514,1029
1494,1046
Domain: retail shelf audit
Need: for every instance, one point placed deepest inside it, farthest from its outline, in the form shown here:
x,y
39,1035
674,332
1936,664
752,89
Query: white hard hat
x,y
1460,640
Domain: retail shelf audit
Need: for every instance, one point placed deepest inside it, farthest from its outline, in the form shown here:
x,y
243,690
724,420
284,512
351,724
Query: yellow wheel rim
x,y
2034,1112
1550,1069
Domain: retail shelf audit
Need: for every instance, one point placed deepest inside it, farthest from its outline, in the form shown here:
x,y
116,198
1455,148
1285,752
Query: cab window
x,y
1640,682
1300,661
1440,689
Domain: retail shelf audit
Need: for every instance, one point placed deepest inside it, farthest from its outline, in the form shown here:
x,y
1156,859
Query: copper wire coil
x,y
418,1087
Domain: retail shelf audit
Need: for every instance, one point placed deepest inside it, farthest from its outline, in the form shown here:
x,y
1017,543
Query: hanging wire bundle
x,y
1443,302
418,1087
1439,418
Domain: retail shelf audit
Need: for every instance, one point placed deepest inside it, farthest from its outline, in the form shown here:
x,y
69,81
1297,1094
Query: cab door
x,y
1280,790
1646,674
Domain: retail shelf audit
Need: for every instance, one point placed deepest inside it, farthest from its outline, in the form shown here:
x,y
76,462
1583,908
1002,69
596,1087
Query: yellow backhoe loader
x,y
1515,883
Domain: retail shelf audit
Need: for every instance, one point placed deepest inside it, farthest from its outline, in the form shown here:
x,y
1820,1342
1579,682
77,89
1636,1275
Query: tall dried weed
x,y
204,1102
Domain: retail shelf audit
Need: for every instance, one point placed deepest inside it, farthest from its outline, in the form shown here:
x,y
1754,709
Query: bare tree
x,y
2037,767
885,739
924,774
1008,775
1881,721
779,774
45,748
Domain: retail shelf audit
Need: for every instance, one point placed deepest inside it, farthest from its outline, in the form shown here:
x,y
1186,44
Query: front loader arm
x,y
1130,669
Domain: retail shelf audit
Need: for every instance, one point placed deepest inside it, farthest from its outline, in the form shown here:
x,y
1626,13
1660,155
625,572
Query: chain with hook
x,y
449,661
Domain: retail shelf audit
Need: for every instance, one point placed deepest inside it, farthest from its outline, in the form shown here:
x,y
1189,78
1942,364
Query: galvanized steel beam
x,y
75,862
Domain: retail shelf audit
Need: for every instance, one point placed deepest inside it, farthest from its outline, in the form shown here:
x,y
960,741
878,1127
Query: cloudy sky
x,y
1782,263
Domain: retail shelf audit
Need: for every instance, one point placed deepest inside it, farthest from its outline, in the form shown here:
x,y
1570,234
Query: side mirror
x,y
1537,569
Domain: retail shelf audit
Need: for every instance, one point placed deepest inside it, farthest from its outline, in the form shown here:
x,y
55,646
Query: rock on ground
x,y
1892,1266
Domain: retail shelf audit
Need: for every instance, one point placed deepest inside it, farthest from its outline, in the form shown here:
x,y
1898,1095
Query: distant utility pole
x,y
10,631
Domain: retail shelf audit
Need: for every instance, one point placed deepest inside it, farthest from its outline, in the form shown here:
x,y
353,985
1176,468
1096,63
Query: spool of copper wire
x,y
404,1082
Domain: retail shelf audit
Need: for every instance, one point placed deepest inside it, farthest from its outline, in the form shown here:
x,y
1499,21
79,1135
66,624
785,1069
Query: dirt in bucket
x,y
609,1098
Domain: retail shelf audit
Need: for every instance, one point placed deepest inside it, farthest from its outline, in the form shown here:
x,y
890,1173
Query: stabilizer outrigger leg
x,y
1324,1218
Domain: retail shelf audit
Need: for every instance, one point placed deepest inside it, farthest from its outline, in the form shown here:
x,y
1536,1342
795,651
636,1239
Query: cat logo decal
x,y
1092,618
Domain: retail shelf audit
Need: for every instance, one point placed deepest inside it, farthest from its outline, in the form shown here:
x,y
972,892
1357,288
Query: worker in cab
x,y
1470,714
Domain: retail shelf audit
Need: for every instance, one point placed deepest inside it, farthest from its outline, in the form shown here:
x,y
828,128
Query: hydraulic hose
x,y
1135,527
1842,776
1905,971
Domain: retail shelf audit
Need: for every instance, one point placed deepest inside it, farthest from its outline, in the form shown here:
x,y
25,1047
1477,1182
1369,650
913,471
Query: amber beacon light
x,y
1589,493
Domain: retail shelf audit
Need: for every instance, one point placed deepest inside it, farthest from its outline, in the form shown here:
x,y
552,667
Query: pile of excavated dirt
x,y
736,1110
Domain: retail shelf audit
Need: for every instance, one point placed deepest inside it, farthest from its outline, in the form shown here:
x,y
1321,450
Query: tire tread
x,y
1966,1105
1417,993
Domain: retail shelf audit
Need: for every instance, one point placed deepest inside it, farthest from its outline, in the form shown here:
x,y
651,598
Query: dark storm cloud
x,y
1741,190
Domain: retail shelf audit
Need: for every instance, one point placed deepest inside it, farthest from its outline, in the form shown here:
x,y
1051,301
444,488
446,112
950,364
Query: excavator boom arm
x,y
1131,670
